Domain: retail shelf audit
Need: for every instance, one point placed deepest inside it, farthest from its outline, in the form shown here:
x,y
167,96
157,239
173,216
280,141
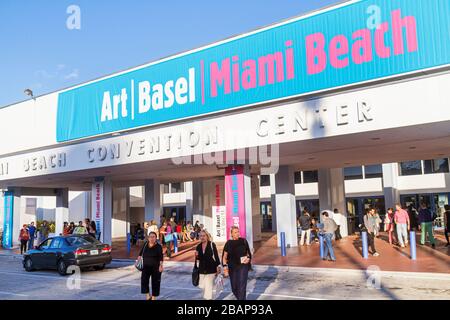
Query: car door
x,y
53,253
39,257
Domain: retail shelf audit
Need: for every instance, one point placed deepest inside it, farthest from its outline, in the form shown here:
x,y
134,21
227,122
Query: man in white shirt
x,y
337,217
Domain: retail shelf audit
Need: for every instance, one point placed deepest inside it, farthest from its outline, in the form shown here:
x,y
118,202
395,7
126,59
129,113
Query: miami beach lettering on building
x,y
340,54
306,56
45,162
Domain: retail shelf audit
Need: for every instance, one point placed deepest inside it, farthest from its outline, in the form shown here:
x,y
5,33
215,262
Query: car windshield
x,y
82,241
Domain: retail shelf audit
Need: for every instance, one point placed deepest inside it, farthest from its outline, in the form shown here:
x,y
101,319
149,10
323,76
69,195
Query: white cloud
x,y
73,75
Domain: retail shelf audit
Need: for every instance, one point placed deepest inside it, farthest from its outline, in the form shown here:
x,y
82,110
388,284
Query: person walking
x,y
71,227
426,225
209,264
371,223
93,229
236,258
338,218
389,224
446,222
166,234
328,229
305,227
80,229
401,219
32,232
24,237
314,231
43,231
153,227
152,255
66,229
173,226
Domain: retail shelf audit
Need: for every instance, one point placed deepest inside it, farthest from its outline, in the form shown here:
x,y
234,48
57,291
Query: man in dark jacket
x,y
305,226
426,224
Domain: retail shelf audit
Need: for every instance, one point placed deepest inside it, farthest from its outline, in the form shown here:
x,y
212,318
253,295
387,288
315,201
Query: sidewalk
x,y
348,252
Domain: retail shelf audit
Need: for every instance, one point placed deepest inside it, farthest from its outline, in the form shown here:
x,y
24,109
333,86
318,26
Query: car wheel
x,y
100,267
28,265
62,267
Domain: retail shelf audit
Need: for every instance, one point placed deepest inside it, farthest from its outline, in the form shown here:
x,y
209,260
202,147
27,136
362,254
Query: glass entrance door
x,y
266,216
356,208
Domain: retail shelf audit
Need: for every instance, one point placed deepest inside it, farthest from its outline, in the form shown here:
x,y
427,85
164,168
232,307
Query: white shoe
x,y
376,254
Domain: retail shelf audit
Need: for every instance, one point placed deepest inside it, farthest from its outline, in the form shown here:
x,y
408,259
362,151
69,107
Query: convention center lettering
x,y
354,43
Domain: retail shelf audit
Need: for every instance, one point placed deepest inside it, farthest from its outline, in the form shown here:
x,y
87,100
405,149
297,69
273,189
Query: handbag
x,y
219,284
168,237
139,264
195,275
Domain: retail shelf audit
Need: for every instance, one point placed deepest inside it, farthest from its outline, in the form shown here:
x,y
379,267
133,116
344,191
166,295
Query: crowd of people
x,y
167,232
29,232
397,223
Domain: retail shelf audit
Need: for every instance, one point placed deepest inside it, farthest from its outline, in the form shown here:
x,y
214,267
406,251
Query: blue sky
x,y
39,52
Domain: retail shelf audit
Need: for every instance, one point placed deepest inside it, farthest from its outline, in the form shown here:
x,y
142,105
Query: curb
x,y
331,271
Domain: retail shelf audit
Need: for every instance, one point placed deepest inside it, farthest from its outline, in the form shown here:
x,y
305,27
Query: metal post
x,y
321,246
412,241
128,244
365,248
175,244
283,244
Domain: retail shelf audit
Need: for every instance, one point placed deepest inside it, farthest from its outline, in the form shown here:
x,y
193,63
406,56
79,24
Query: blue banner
x,y
8,198
354,43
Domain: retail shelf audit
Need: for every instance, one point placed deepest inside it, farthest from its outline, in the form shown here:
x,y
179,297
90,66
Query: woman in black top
x,y
152,255
208,257
237,259
93,229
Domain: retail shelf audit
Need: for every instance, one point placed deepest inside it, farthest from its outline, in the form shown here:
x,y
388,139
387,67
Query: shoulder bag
x,y
195,275
139,264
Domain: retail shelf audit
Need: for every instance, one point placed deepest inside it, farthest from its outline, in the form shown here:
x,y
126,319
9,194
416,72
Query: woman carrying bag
x,y
150,262
209,264
236,261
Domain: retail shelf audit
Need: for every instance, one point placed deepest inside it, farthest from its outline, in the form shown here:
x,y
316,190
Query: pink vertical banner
x,y
234,199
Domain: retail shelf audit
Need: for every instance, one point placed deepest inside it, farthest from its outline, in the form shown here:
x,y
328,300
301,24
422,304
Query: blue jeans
x,y
31,243
328,246
402,233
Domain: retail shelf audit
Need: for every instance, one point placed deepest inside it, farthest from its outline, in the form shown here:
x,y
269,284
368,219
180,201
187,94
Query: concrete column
x,y
102,207
128,215
197,201
284,206
120,212
256,214
248,206
108,211
152,197
62,209
272,201
332,194
390,186
188,189
11,220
